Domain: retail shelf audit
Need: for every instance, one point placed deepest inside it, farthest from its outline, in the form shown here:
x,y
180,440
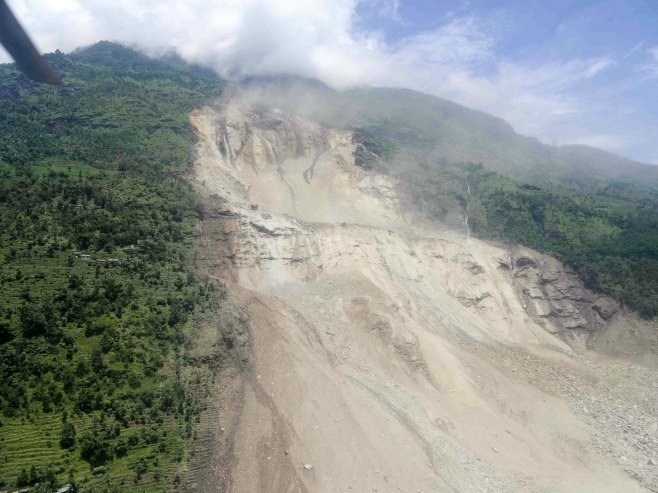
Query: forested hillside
x,y
97,289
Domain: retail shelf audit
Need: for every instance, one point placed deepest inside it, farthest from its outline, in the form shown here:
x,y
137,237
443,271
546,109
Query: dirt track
x,y
387,355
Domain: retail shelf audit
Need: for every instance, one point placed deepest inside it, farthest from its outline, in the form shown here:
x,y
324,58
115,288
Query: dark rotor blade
x,y
18,44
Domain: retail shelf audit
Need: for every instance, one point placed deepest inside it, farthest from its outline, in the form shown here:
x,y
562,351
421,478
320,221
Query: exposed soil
x,y
385,354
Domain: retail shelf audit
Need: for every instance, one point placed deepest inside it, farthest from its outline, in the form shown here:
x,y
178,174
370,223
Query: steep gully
x,y
385,353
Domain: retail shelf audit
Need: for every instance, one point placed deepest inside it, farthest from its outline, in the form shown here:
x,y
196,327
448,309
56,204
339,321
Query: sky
x,y
562,71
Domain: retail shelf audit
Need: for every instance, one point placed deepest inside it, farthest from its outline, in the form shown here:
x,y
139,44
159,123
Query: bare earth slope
x,y
387,355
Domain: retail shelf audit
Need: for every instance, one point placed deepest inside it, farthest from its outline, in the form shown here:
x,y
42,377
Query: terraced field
x,y
98,292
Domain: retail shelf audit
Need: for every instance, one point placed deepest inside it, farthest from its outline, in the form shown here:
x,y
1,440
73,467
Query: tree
x,y
23,479
95,449
33,320
5,332
67,435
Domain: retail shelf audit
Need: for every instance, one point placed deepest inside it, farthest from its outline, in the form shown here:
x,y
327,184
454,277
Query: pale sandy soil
x,y
387,354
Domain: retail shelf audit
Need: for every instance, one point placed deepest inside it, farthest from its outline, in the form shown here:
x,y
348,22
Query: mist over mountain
x,y
533,66
426,128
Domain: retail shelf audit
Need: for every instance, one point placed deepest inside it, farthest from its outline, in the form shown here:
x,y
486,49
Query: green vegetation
x,y
371,150
608,234
97,291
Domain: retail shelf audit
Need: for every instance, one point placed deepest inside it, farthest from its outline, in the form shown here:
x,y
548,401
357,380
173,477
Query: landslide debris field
x,y
385,353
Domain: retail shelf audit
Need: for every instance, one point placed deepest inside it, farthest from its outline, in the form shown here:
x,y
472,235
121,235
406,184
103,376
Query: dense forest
x,y
97,289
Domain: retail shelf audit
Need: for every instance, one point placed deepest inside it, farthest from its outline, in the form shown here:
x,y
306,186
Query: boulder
x,y
543,308
575,321
469,263
605,307
556,291
533,291
524,260
549,276
504,263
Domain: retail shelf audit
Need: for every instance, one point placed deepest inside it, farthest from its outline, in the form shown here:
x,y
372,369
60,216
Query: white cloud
x,y
652,66
234,36
599,66
603,141
460,42
459,62
654,53
320,38
385,8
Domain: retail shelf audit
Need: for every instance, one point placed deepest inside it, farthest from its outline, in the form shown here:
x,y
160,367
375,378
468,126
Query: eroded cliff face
x,y
387,354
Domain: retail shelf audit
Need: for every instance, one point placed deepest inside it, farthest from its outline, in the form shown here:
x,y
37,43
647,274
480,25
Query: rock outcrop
x,y
556,299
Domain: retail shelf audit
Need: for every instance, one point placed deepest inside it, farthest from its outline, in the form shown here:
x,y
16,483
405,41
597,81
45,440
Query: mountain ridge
x,y
463,127
451,131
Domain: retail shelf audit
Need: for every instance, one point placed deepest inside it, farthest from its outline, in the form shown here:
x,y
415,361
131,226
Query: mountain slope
x,y
132,371
593,210
390,354
99,382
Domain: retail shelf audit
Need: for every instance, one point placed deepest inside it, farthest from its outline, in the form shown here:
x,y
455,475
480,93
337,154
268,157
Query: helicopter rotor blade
x,y
16,41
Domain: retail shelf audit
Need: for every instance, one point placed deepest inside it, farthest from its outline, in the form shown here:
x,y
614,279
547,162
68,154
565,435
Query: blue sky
x,y
563,71
612,102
